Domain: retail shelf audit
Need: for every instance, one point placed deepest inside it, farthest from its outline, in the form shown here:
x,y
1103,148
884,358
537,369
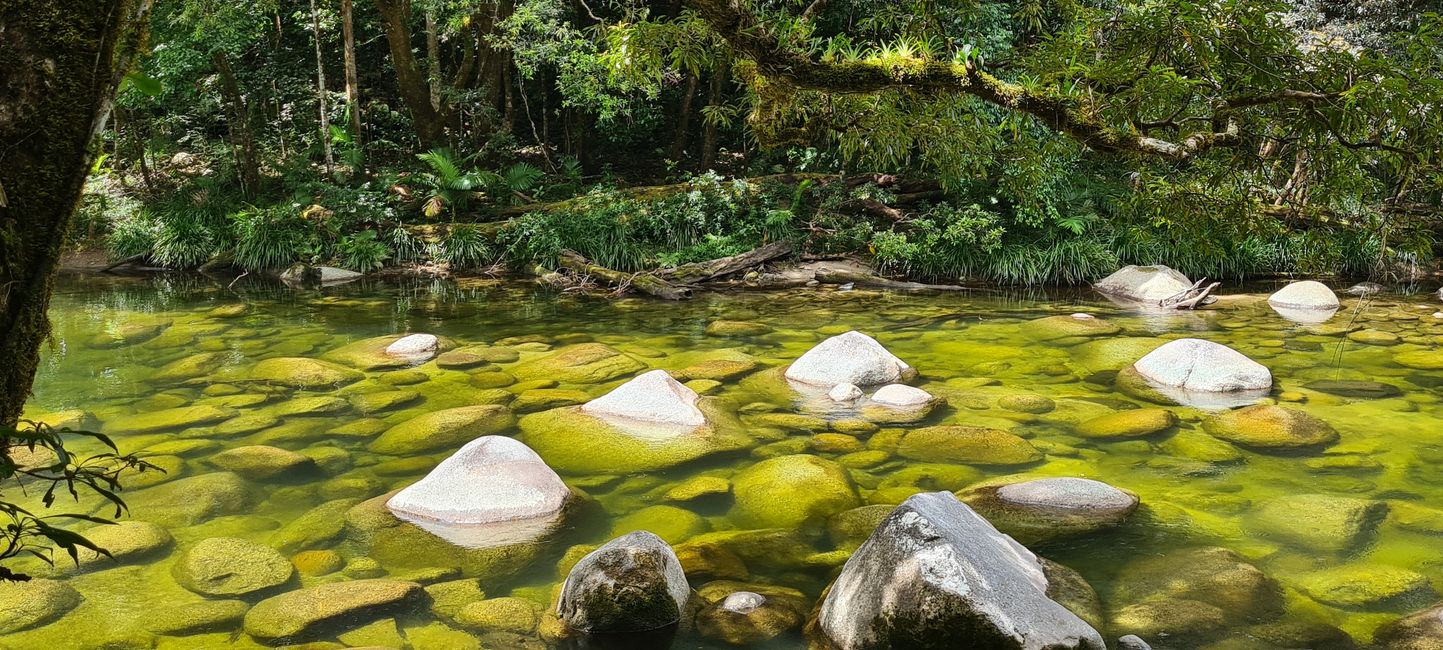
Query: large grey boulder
x,y
935,574
1305,294
650,397
850,358
1198,366
633,583
492,479
1148,284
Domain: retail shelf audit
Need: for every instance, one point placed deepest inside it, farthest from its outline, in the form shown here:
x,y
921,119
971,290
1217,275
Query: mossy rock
x,y
672,524
1362,586
1421,630
315,612
583,363
1026,403
746,614
513,615
1169,618
1113,353
460,360
1319,522
767,549
315,528
1271,427
709,561
848,529
192,500
445,429
382,401
317,563
372,531
1035,509
316,405
541,399
1054,328
171,419
790,491
492,379
967,444
447,598
717,369
1420,359
196,618
302,372
126,542
698,487
573,442
1414,517
793,422
1216,577
1196,445
1134,423
263,462
736,328
370,354
230,566
195,365
36,602
73,419
132,330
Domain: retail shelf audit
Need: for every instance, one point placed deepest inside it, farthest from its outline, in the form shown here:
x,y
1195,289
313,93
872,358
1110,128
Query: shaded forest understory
x,y
1014,142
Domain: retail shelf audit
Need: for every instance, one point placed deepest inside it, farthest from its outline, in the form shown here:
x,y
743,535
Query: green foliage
x,y
464,247
362,251
272,238
448,186
132,235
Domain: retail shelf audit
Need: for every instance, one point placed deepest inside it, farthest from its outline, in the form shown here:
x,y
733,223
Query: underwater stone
x,y
1133,423
744,614
955,443
845,393
1202,366
313,612
192,500
300,372
1143,283
650,397
789,491
632,583
172,419
1422,630
230,566
1319,522
414,347
583,363
513,615
492,479
195,365
314,528
1267,426
1044,509
33,603
934,568
1026,403
1363,585
850,358
1304,294
1196,582
262,462
901,395
126,541
1354,388
736,328
575,442
196,618
443,429
1053,328
698,487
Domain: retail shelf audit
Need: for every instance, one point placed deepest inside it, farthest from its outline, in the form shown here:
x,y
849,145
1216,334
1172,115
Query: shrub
x,y
464,247
272,238
362,251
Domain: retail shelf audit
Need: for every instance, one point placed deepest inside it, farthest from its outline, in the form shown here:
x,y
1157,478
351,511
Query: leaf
x,y
143,83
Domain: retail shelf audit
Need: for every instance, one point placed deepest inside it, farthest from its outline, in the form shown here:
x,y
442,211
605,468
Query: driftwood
x,y
124,262
832,276
643,282
723,266
1191,297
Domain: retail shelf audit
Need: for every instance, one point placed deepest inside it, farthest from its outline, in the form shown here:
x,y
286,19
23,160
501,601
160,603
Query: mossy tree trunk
x,y
63,61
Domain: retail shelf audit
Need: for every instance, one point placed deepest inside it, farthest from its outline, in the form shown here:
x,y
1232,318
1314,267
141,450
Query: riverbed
x,y
167,366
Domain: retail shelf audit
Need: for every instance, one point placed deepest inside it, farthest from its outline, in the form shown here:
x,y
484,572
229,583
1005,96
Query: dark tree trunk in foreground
x,y
63,60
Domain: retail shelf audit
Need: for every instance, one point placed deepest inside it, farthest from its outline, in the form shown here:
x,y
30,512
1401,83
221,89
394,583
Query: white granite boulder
x,y
850,358
845,393
413,346
1199,366
901,396
492,479
650,397
1306,294
1143,283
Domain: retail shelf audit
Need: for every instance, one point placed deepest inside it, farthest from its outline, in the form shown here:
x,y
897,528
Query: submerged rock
x,y
1132,423
263,462
650,397
1195,365
576,442
850,358
315,612
845,393
1147,284
443,429
746,614
1304,294
229,566
633,583
1319,522
955,443
1186,592
583,363
414,347
1356,388
300,372
936,574
492,479
1267,426
33,603
196,618
1364,585
736,328
789,491
512,615
1044,509
1054,328
172,419
1422,630
192,500
125,541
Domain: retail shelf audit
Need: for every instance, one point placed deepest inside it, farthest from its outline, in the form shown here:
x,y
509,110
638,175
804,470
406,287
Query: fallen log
x,y
723,266
642,282
834,276
124,262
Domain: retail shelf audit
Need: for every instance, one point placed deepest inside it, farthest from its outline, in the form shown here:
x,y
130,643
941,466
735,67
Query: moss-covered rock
x,y
698,487
633,583
449,428
125,541
195,365
172,419
848,529
246,423
189,501
1196,445
1364,585
1079,326
230,566
789,491
315,528
370,354
1169,618
717,369
1133,423
1421,630
736,328
541,399
1034,510
1319,522
131,330
312,613
967,444
373,531
33,603
196,618
574,442
1184,591
674,525
263,462
315,405
1267,426
302,372
513,615
1431,359
1026,403
583,363
744,614
317,563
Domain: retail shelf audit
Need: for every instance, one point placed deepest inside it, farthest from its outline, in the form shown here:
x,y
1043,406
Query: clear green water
x,y
968,348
